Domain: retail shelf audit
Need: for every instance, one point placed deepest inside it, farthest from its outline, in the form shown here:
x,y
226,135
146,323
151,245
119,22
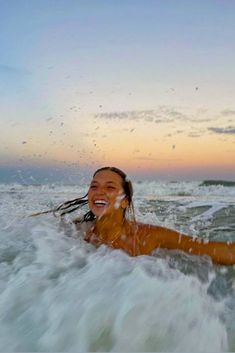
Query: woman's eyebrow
x,y
94,182
107,182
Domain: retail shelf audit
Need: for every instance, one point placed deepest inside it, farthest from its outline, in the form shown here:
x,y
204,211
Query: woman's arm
x,y
151,237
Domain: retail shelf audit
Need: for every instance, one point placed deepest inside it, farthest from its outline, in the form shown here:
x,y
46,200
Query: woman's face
x,y
106,195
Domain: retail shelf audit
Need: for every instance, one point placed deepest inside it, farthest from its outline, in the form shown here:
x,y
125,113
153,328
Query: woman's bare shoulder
x,y
156,233
145,228
146,236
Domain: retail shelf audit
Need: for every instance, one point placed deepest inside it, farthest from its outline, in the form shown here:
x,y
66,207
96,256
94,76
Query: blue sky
x,y
66,67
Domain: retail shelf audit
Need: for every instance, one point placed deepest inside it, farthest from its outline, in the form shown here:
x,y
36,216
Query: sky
x,y
144,85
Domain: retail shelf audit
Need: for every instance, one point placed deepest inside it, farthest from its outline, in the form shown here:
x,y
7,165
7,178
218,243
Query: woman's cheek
x,y
118,201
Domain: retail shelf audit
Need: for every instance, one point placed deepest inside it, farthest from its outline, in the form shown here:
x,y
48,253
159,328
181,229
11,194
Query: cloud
x,y
230,130
147,115
227,112
162,115
194,135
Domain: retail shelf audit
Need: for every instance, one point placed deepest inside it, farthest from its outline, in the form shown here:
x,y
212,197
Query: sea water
x,y
59,293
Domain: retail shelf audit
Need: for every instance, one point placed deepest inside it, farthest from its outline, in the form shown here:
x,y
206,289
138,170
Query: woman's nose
x,y
100,190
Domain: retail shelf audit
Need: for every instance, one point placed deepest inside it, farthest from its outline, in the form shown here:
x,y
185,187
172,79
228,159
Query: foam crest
x,y
59,293
72,297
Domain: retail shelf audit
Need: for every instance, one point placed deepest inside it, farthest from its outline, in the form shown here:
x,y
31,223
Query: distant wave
x,y
217,182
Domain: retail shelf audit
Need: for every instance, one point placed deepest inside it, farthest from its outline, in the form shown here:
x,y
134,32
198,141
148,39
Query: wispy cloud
x,y
227,112
162,115
168,115
194,135
230,130
144,115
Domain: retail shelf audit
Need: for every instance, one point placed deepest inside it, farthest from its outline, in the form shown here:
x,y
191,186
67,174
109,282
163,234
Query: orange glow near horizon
x,y
132,145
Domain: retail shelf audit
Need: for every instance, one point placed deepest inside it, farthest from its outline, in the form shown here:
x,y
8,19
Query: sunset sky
x,y
144,85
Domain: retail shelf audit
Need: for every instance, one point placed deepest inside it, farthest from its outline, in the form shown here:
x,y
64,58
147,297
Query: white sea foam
x,y
59,293
181,189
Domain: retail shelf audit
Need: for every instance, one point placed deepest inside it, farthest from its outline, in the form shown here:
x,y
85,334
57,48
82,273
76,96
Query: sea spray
x,y
59,293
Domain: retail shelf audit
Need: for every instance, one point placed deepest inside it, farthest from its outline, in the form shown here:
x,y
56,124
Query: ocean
x,y
59,293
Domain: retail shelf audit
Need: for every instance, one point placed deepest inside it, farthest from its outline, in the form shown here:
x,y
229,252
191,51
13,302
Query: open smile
x,y
100,203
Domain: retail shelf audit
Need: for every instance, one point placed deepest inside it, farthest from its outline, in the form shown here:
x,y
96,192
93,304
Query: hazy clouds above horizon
x,y
147,86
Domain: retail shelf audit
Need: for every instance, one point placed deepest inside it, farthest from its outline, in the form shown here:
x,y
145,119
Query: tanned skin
x,y
108,202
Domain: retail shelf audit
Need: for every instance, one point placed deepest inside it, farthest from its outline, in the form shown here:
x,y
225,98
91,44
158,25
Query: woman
x,y
111,221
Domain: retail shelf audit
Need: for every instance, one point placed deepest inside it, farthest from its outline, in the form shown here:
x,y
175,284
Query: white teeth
x,y
100,202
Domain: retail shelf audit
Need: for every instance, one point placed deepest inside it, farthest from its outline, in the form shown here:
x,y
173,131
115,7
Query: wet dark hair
x,y
72,205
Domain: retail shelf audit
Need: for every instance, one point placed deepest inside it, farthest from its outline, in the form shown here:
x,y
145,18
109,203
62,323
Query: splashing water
x,y
59,293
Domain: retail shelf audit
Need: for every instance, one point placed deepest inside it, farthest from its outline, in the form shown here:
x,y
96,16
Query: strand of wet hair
x,y
67,204
66,210
65,207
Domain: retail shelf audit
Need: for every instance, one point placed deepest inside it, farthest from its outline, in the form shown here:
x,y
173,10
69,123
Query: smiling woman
x,y
106,194
108,222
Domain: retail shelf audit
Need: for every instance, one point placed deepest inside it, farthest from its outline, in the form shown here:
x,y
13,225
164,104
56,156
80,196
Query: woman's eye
x,y
111,188
93,187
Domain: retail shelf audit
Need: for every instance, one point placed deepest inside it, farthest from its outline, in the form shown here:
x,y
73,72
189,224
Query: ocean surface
x,y
59,293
